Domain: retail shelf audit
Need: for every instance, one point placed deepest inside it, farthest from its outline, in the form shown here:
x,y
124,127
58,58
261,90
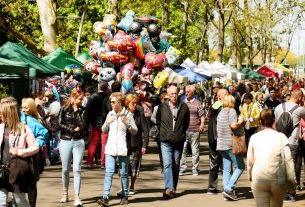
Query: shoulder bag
x,y
239,146
21,169
286,173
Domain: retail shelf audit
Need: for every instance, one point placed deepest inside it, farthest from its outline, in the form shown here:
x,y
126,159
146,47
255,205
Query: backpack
x,y
285,122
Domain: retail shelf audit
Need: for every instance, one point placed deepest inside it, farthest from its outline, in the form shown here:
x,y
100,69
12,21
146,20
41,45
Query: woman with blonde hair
x,y
13,131
118,122
72,145
228,123
29,115
264,158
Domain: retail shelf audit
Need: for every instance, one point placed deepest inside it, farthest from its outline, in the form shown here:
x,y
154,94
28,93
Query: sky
x,y
298,43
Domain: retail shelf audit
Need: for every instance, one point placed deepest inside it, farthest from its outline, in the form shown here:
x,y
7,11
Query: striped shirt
x,y
224,133
196,112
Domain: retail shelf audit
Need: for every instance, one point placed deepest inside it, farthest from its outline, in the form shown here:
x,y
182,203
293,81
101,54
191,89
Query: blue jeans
x,y
69,149
109,171
229,181
171,155
19,199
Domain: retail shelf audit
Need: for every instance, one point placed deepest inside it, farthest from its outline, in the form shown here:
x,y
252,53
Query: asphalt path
x,y
191,190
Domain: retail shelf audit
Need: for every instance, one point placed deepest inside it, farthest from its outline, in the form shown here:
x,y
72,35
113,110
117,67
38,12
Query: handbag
x,y
4,175
286,173
239,146
21,169
154,132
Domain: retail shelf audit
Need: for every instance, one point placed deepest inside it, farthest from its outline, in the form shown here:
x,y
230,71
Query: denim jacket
x,y
41,134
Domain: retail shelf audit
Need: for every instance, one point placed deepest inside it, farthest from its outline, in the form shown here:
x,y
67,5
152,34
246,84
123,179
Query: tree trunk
x,y
221,31
81,27
236,40
165,15
47,13
113,7
185,22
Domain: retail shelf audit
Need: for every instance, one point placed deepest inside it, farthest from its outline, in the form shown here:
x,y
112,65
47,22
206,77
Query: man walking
x,y
297,113
173,120
215,157
192,134
97,111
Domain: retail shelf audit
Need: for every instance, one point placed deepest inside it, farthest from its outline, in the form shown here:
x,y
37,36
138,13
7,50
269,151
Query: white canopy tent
x,y
240,75
205,67
174,77
230,73
188,64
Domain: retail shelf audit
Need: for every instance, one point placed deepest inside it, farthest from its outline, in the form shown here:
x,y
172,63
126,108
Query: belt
x,y
69,139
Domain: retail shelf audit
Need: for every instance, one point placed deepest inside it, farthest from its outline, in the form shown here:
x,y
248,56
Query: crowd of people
x,y
119,127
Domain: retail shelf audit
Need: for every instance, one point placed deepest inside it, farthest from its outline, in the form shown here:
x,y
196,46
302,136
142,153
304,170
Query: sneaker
x,y
77,203
103,201
181,172
213,192
131,192
168,194
89,166
124,200
289,198
230,195
195,172
119,193
224,198
299,188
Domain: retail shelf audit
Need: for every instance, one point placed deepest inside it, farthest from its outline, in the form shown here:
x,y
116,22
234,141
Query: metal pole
x,y
81,27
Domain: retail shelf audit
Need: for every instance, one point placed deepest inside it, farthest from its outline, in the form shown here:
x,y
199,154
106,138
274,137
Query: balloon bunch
x,y
132,51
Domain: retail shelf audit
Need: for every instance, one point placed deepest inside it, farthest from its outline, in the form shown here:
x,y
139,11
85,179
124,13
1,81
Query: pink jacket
x,y
27,144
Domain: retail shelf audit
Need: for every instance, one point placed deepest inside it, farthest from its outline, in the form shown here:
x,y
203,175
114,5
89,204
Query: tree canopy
x,y
203,29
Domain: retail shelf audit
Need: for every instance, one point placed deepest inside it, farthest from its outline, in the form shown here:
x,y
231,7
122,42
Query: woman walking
x,y
13,131
29,115
263,163
138,142
118,121
228,123
71,124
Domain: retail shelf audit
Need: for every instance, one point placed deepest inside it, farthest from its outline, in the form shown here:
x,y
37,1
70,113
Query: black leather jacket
x,y
97,109
68,120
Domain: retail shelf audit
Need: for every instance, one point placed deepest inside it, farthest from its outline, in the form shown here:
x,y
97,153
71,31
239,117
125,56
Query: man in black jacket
x,y
98,109
215,157
173,119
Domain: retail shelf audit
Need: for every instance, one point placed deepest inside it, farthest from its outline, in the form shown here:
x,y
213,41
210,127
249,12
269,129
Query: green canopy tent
x,y
16,76
60,58
251,74
83,57
18,53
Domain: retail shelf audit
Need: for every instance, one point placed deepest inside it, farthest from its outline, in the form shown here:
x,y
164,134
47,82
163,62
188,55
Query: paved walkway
x,y
191,189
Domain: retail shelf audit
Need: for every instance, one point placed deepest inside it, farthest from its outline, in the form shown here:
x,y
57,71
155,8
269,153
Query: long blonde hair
x,y
74,95
32,107
10,113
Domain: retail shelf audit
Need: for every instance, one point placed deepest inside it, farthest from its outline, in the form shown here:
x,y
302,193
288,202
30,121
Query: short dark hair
x,y
248,96
102,85
272,89
116,86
